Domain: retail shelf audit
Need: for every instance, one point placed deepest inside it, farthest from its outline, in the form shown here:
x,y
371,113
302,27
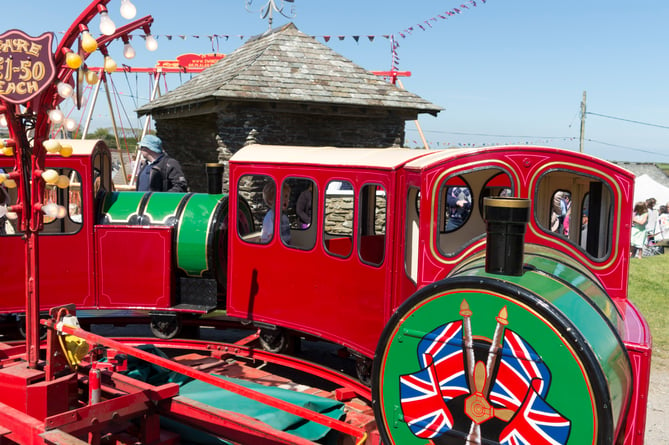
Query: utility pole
x,y
580,145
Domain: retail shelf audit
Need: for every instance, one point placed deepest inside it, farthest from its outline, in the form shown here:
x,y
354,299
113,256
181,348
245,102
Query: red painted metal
x,y
202,376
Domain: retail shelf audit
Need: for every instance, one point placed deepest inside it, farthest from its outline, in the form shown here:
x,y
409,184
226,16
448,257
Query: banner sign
x,y
190,63
26,65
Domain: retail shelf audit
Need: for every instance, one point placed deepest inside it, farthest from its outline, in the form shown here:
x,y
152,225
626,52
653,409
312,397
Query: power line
x,y
627,120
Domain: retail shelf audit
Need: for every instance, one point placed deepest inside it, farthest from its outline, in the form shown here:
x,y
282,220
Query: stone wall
x,y
195,141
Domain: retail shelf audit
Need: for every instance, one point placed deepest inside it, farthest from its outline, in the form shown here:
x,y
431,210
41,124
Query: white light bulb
x,y
65,90
50,210
151,43
56,116
128,51
3,121
70,124
128,10
107,26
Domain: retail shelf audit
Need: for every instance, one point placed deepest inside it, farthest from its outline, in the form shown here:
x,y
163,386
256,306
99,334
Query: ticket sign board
x,y
190,63
26,65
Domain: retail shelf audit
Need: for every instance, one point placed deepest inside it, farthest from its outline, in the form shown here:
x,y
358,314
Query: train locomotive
x,y
482,291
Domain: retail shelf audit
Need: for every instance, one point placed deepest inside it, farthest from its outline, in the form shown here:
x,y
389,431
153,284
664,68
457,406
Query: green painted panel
x,y
118,207
195,233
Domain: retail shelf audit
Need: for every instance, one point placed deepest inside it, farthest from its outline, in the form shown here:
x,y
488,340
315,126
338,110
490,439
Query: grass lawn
x,y
649,290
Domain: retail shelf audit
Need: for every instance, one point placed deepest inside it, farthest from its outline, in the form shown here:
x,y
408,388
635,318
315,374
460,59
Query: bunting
x,y
425,25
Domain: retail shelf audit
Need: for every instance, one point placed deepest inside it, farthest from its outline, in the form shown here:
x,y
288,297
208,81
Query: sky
x,y
504,71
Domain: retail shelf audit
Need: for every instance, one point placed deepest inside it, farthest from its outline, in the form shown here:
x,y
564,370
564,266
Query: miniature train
x,y
484,291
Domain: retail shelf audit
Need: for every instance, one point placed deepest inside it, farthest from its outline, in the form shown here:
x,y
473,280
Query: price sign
x,y
26,65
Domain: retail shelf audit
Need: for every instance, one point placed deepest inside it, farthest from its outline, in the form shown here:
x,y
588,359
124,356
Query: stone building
x,y
282,87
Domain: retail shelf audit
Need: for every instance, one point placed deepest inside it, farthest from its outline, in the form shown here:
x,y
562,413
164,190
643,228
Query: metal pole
x,y
113,119
90,110
580,145
420,130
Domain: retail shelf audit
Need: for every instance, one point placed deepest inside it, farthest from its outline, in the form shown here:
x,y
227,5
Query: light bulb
x,y
110,65
107,26
56,116
50,176
91,77
88,42
73,60
8,151
70,124
128,10
63,182
151,43
3,121
128,51
65,90
51,145
50,210
66,150
10,184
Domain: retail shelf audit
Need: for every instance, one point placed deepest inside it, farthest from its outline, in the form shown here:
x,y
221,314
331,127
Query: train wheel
x,y
165,325
21,328
363,370
480,360
278,341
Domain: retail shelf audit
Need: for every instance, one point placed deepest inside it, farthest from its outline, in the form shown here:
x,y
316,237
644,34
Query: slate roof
x,y
287,65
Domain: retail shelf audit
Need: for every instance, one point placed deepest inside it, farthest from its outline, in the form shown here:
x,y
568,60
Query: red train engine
x,y
483,291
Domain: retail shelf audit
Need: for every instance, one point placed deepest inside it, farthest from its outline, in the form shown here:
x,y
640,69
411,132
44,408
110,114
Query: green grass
x,y
648,284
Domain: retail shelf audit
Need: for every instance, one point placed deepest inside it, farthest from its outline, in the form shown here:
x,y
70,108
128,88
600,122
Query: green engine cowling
x,y
199,222
481,357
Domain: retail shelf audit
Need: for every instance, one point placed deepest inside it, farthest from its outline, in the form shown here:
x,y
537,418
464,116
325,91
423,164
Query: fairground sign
x,y
192,63
26,65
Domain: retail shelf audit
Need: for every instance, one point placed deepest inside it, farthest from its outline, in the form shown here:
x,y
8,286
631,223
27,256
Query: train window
x,y
8,219
577,207
497,186
412,234
456,202
259,192
338,220
62,203
302,199
372,224
560,212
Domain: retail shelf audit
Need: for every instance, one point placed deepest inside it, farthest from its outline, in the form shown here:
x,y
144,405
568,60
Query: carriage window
x,y
372,224
8,193
578,208
561,212
62,203
299,205
259,193
412,234
456,202
338,220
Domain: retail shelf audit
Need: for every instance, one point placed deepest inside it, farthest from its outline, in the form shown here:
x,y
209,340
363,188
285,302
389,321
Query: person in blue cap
x,y
160,173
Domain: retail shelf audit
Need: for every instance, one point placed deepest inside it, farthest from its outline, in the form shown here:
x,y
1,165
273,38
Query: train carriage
x,y
477,288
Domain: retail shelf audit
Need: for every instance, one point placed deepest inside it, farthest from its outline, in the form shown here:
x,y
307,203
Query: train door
x,y
326,275
65,244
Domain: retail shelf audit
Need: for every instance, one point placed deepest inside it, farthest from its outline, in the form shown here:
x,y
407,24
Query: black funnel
x,y
506,220
214,178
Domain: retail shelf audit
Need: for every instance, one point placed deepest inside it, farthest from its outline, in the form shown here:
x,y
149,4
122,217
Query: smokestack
x,y
214,178
506,221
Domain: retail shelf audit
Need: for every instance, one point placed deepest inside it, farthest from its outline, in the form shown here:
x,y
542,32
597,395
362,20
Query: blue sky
x,y
505,71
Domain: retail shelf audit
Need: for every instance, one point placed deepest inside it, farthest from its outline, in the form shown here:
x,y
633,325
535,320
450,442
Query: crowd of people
x,y
650,228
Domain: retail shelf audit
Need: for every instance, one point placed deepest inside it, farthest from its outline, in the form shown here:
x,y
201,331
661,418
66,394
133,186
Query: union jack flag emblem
x,y
536,423
520,387
424,394
519,366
